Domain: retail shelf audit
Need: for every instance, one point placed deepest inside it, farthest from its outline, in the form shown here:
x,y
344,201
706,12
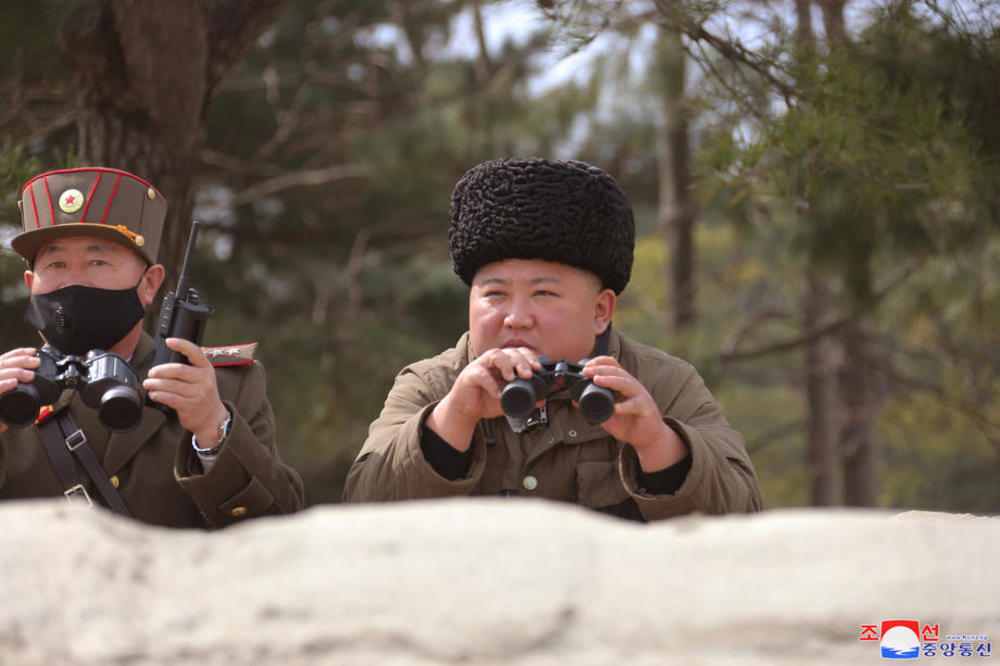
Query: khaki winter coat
x,y
154,466
567,459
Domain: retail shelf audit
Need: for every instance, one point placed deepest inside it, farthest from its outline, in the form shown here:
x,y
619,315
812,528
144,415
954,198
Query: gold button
x,y
151,193
530,482
140,241
114,480
238,511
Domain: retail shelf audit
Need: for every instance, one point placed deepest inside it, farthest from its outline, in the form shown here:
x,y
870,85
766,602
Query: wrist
x,y
210,439
451,426
662,451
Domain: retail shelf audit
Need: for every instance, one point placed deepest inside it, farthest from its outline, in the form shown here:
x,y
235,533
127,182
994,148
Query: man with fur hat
x,y
202,453
546,247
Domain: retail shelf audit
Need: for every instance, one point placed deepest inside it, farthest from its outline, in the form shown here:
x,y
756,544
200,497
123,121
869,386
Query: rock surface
x,y
486,582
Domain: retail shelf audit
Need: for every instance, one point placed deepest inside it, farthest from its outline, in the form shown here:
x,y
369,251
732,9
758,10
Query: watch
x,y
223,431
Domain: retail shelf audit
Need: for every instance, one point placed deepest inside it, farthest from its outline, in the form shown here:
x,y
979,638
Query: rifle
x,y
183,314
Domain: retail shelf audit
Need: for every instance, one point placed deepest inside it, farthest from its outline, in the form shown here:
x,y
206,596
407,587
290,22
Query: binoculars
x,y
105,382
518,397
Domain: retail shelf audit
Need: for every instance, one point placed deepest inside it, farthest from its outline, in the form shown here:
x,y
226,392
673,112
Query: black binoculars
x,y
518,397
105,382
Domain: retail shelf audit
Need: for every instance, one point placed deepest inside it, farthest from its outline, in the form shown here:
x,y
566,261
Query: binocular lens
x,y
597,404
19,407
518,398
121,409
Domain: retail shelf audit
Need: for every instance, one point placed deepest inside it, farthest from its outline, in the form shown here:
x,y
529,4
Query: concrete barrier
x,y
487,582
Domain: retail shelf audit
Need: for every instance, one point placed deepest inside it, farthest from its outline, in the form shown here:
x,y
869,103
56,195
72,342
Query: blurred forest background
x,y
816,184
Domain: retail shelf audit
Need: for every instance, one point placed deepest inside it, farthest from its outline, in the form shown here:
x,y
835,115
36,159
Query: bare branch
x,y
300,179
987,426
53,125
237,166
738,334
894,279
484,52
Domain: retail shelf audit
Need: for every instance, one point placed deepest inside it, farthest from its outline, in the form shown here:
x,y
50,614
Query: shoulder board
x,y
230,354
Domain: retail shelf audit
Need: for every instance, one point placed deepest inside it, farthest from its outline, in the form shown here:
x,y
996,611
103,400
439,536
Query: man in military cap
x,y
203,454
546,247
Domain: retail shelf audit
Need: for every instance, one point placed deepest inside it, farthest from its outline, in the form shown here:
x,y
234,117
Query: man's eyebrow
x,y
486,282
536,280
48,249
100,248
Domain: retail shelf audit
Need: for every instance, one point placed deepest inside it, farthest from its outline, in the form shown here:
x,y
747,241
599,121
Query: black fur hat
x,y
568,212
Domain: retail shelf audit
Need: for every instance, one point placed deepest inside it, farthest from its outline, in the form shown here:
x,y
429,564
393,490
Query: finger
x,y
192,351
626,387
503,363
524,359
631,407
12,360
608,369
162,397
185,381
485,381
20,351
177,398
530,356
174,371
17,374
165,392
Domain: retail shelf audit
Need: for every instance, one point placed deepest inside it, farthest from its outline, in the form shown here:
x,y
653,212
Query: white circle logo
x,y
71,201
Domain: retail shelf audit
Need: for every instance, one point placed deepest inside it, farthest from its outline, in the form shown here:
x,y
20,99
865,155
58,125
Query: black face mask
x,y
76,319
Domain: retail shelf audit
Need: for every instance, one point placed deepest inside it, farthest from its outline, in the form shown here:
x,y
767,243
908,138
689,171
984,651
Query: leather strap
x,y
63,438
62,460
76,441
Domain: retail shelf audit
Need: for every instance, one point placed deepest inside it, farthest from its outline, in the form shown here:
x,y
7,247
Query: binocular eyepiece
x,y
518,397
105,382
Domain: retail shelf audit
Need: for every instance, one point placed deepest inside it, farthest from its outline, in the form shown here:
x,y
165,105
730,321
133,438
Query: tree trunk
x,y
822,400
860,400
676,207
821,355
859,397
144,73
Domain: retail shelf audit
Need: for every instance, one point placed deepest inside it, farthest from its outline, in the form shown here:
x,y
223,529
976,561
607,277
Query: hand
x,y
637,419
476,393
17,365
191,390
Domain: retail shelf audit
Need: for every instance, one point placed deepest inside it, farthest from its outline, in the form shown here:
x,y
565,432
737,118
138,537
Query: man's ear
x,y
29,277
150,283
604,309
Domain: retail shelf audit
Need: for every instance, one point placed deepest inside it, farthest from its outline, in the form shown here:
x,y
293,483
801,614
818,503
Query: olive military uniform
x,y
155,467
566,458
